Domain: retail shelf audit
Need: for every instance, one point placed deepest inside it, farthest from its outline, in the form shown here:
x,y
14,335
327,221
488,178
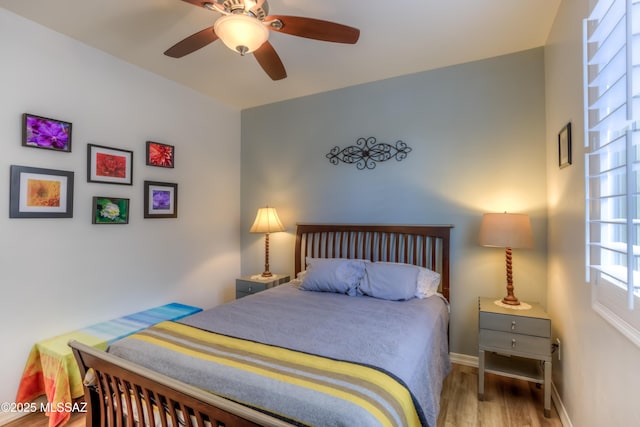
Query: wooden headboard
x,y
423,245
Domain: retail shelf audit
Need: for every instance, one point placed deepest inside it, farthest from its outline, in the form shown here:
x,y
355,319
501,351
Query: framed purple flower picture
x,y
160,200
41,132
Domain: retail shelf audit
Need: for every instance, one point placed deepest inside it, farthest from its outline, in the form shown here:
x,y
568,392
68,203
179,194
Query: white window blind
x,y
612,138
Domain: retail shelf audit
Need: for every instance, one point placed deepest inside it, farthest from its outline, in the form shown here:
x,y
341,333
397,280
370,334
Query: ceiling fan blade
x,y
270,62
213,5
315,29
199,3
192,43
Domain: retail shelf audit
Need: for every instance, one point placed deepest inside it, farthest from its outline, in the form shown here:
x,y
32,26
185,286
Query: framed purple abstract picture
x,y
41,132
160,200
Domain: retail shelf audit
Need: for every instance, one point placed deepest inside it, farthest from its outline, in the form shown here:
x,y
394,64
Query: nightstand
x,y
251,284
515,343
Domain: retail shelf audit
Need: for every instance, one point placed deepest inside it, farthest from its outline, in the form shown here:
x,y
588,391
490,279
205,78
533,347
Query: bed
x,y
341,345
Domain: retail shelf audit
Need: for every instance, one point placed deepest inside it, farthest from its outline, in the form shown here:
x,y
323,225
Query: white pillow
x,y
428,283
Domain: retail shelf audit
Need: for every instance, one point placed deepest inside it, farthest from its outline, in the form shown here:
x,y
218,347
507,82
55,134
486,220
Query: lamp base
x,y
521,306
266,274
510,300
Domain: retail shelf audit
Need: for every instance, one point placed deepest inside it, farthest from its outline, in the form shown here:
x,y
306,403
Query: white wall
x,y
598,377
477,133
58,275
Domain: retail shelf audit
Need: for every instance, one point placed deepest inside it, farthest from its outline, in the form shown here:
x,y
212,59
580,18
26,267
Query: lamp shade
x,y
266,221
506,230
241,33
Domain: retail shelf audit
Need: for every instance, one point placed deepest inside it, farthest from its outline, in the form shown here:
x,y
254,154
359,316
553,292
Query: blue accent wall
x,y
477,133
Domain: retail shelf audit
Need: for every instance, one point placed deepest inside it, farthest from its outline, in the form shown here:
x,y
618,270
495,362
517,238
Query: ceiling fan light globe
x,y
241,33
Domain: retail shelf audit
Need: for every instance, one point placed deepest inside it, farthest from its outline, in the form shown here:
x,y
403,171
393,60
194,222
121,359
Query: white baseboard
x,y
7,417
464,359
562,411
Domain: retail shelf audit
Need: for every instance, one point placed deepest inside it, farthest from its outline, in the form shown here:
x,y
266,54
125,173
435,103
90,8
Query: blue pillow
x,y
395,282
333,275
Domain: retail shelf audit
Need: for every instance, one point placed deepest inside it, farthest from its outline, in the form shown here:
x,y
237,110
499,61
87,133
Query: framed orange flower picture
x,y
40,193
162,155
109,165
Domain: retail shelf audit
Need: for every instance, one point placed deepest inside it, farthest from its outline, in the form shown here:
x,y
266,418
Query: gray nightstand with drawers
x,y
251,284
515,343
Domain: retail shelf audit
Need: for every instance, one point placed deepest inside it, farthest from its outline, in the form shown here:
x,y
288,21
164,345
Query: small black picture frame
x,y
43,132
40,193
109,210
161,155
160,199
109,165
564,146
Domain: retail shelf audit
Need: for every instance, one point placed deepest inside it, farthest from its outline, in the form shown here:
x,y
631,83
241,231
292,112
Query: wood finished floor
x,y
508,403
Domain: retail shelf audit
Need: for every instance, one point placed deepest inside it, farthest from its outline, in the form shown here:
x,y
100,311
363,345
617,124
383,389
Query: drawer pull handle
x,y
513,343
513,325
250,289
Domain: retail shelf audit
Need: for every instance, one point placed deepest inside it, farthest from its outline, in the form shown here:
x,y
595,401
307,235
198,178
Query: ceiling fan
x,y
244,27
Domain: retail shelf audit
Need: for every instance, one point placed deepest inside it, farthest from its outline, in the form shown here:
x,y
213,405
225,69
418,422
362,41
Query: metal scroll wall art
x,y
368,152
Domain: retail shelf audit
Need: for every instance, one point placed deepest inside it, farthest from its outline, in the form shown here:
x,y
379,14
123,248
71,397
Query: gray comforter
x,y
407,340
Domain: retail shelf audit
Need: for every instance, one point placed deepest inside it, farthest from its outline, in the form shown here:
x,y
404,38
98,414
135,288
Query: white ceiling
x,y
397,37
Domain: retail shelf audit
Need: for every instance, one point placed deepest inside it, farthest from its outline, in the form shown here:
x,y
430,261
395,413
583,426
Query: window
x,y
612,138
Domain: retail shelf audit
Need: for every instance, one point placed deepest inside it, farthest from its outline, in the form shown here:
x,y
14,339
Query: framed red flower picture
x,y
161,155
109,165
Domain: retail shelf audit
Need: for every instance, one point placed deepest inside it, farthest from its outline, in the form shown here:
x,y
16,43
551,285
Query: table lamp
x,y
509,231
266,222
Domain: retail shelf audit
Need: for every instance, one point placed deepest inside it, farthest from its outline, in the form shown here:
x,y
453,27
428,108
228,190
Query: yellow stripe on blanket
x,y
372,378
